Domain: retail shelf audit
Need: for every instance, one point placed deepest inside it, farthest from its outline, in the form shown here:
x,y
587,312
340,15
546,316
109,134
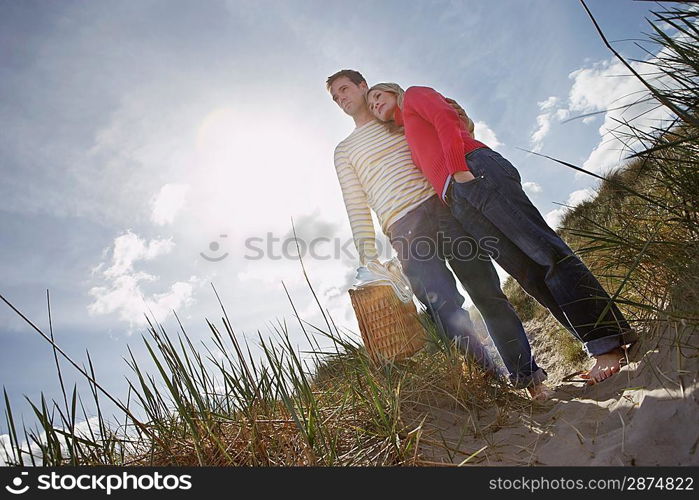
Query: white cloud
x,y
531,187
125,297
549,103
486,135
129,248
85,429
123,293
608,85
544,123
562,114
580,196
554,217
5,453
168,202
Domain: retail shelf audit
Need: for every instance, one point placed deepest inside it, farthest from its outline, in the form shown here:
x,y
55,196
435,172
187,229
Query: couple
x,y
413,160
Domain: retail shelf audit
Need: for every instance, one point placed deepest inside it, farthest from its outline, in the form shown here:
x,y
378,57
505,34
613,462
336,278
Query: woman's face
x,y
382,104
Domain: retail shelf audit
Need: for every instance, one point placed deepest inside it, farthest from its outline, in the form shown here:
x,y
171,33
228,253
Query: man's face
x,y
348,95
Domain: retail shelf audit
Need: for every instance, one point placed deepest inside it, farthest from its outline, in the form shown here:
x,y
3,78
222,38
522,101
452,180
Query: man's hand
x,y
463,176
468,123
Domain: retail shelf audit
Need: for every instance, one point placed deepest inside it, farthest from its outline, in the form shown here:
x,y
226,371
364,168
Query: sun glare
x,y
250,161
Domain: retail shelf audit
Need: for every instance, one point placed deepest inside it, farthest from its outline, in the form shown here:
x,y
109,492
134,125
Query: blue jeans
x,y
425,239
494,205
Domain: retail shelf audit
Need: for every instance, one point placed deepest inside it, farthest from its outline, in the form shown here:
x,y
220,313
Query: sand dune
x,y
645,415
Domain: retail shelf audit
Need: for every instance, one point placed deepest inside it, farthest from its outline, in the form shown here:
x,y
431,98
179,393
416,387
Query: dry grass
x,y
218,405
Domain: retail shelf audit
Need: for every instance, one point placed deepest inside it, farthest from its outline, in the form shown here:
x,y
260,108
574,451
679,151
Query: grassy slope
x,y
221,407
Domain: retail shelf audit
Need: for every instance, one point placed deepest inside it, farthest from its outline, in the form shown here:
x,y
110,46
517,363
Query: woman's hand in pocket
x,y
463,176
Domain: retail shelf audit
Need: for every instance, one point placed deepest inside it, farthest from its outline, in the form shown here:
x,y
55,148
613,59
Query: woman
x,y
484,193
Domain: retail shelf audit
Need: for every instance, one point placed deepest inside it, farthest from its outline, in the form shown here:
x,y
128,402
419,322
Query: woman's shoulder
x,y
420,89
418,93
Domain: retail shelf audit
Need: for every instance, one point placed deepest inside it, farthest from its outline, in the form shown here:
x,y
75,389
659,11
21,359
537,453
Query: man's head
x,y
348,89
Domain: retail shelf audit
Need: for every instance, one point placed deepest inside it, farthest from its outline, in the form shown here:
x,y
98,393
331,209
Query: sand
x,y
646,415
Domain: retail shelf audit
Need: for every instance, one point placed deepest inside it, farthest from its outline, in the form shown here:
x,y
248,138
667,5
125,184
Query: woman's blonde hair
x,y
396,90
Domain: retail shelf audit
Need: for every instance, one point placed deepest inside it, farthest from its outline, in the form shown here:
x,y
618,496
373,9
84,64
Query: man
x,y
375,171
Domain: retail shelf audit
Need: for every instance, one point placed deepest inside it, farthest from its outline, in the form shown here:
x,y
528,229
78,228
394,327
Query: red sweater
x,y
437,137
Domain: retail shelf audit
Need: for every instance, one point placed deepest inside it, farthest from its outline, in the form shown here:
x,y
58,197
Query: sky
x,y
151,149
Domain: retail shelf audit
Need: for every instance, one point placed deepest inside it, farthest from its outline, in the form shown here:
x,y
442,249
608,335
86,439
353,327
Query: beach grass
x,y
216,404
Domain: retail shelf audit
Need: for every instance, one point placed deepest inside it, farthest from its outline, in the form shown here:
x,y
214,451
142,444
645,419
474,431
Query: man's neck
x,y
363,118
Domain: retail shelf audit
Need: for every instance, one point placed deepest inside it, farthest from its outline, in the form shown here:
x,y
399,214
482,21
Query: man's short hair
x,y
354,76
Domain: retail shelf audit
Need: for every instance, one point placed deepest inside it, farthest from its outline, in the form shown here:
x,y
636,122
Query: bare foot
x,y
606,365
540,392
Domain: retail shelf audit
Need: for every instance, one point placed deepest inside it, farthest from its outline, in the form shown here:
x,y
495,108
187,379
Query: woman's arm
x,y
432,107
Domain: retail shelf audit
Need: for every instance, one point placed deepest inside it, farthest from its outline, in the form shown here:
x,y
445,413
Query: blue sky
x,y
136,133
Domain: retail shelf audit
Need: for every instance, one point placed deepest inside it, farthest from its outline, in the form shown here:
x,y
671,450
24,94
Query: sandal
x,y
583,374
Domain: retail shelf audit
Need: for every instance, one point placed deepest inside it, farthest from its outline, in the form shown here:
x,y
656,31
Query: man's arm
x,y
357,208
470,126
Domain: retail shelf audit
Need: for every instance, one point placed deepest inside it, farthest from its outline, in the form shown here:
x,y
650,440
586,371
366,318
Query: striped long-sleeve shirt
x,y
376,171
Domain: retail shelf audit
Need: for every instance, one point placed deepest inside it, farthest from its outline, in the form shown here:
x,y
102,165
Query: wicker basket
x,y
390,328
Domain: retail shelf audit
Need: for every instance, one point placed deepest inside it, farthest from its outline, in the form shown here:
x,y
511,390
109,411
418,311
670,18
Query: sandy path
x,y
648,414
